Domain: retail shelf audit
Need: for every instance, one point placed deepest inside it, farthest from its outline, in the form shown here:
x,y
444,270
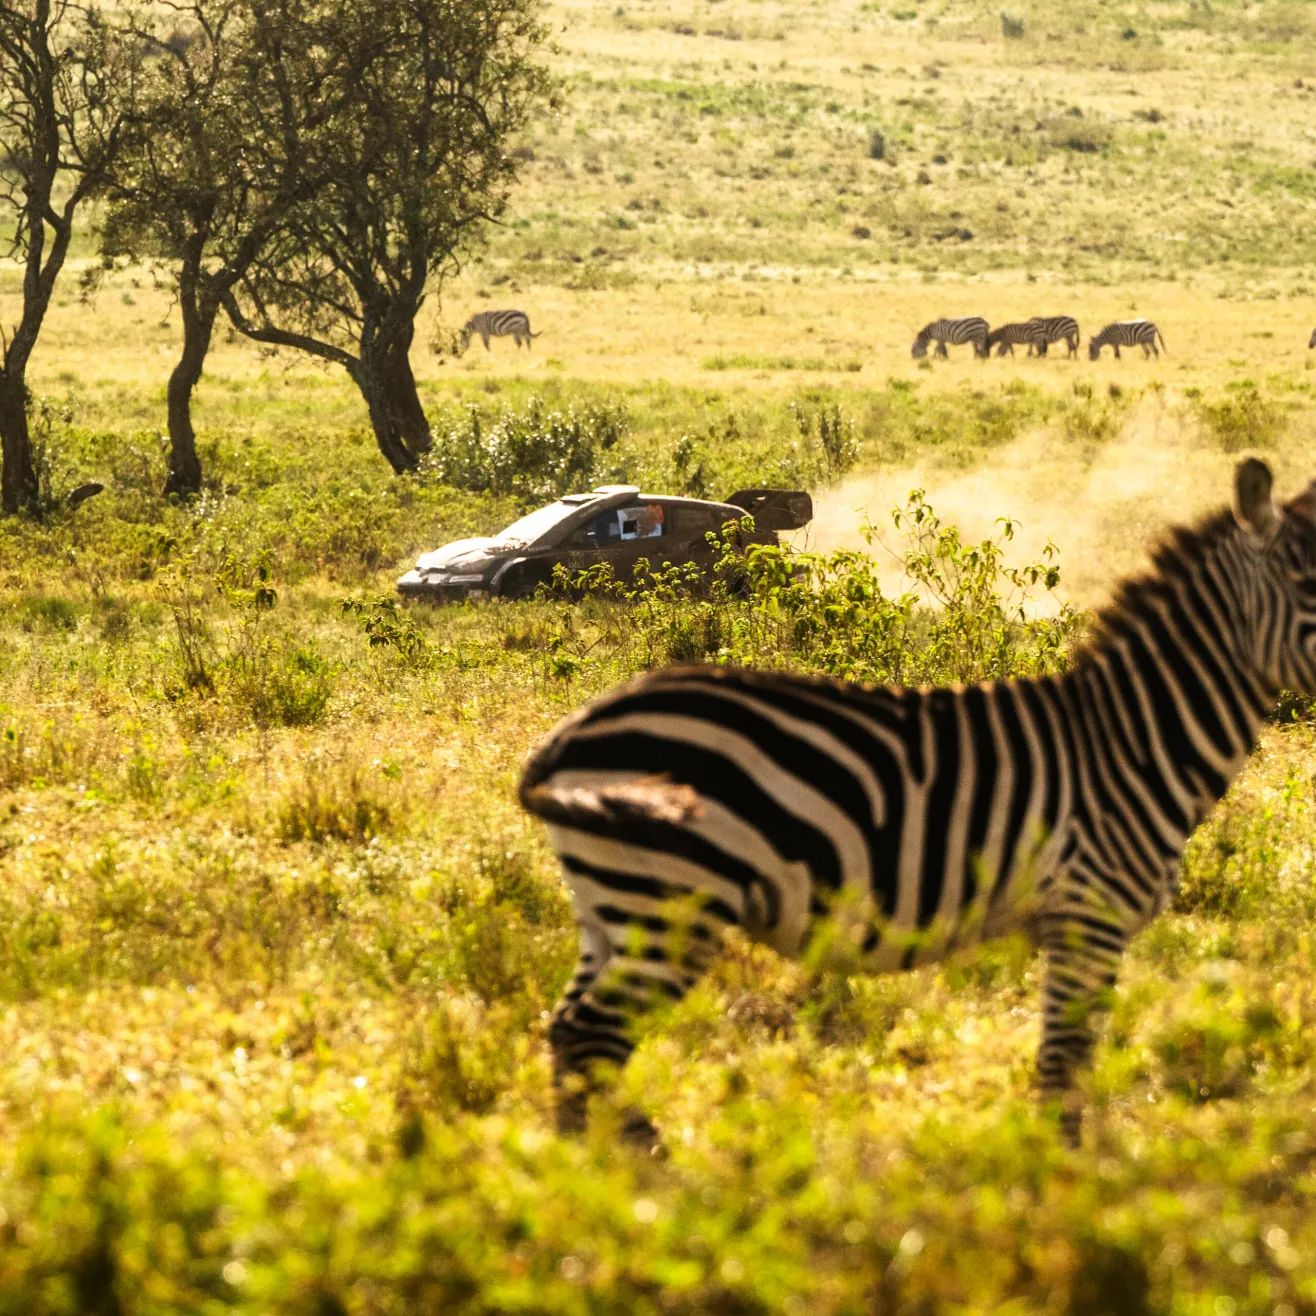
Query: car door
x,y
620,536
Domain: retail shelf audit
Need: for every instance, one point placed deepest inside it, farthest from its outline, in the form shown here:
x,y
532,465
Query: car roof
x,y
615,495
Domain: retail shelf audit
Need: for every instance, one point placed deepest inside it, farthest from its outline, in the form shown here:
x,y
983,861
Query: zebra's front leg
x,y
1080,973
941,351
618,986
1116,346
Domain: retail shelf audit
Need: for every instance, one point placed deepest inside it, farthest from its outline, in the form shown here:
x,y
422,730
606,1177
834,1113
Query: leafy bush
x,y
1243,418
533,455
964,615
271,678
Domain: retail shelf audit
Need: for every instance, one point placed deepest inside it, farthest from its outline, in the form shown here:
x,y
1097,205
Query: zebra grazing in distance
x,y
970,329
1311,342
496,324
1057,328
1127,333
696,799
1007,336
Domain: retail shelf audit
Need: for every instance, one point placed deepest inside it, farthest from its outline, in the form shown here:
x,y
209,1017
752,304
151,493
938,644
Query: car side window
x,y
599,531
644,521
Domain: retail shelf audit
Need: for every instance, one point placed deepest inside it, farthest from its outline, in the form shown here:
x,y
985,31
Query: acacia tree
x,y
236,92
418,169
67,91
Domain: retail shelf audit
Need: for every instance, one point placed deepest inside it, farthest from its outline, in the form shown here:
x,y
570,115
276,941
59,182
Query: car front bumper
x,y
440,589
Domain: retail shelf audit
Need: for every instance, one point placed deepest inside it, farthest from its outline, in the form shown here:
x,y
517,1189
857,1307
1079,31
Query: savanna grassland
x,y
276,943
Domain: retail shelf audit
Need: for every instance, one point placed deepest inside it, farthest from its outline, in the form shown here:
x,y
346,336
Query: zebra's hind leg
x,y
1082,960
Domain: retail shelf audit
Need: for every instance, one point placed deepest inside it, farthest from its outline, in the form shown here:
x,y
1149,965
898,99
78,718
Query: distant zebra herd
x,y
1037,335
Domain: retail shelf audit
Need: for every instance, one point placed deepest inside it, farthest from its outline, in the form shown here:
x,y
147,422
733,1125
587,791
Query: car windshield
x,y
536,524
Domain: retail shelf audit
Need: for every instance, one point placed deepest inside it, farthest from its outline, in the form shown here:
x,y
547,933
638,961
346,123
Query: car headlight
x,y
466,580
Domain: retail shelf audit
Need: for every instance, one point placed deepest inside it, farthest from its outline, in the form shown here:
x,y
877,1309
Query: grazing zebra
x,y
1007,336
1127,333
1058,327
971,329
696,799
496,324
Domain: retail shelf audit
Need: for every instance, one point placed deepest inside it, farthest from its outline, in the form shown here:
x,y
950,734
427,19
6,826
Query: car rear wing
x,y
775,509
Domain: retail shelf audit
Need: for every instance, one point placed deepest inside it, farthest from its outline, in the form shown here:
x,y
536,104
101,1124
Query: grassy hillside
x,y
276,944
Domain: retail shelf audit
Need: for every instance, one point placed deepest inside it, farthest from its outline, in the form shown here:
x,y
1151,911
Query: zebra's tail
x,y
1161,336
528,334
607,808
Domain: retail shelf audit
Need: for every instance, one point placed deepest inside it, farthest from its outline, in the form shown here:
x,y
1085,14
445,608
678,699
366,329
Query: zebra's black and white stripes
x,y
1126,333
1005,338
697,799
496,324
968,329
1057,328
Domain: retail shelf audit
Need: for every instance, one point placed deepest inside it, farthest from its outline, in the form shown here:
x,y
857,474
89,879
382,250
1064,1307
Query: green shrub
x,y
964,616
1243,418
533,455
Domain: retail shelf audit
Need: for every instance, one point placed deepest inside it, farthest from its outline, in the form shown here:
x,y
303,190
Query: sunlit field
x,y
276,942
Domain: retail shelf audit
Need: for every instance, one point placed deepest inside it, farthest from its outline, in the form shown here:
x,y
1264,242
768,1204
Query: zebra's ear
x,y
1254,505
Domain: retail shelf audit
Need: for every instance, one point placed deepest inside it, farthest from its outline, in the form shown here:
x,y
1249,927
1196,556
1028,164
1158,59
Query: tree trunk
x,y
372,376
19,490
198,325
403,402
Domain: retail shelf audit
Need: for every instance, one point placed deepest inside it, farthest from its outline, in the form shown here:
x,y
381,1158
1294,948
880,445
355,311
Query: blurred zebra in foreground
x,y
1057,328
1127,333
496,324
970,329
1005,338
902,823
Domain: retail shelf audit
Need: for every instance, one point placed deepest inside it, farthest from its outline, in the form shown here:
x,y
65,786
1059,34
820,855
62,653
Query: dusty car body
x,y
616,524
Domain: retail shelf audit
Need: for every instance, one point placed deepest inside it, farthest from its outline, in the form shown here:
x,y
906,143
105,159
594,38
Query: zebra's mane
x,y
1173,560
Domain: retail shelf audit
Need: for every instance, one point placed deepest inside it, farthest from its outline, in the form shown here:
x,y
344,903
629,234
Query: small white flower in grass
x,y
854,1231
911,1244
1277,1237
572,1268
133,1076
359,1081
732,1270
234,1273
1225,1306
646,1212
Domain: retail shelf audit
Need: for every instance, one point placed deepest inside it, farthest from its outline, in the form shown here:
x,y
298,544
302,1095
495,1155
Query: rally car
x,y
616,524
